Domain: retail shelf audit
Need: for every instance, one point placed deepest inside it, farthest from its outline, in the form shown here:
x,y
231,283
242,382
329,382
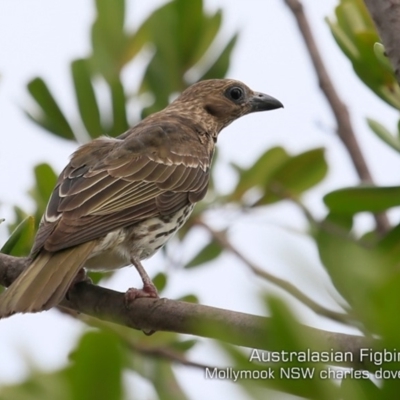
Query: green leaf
x,y
189,18
120,120
160,281
380,53
46,180
96,276
135,43
283,334
359,389
209,30
384,134
165,383
398,128
111,15
51,117
220,66
96,372
20,215
85,95
390,246
181,33
383,308
348,261
364,198
256,176
343,221
295,176
22,235
207,254
43,386
189,298
343,41
109,40
390,387
355,33
184,345
353,17
386,295
164,73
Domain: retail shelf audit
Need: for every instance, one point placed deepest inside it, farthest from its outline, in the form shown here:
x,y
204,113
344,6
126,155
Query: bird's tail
x,y
45,282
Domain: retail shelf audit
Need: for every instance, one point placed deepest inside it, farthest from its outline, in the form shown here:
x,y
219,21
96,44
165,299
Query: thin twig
x,y
344,127
283,284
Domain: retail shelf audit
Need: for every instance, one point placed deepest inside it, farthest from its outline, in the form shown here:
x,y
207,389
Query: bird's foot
x,y
148,290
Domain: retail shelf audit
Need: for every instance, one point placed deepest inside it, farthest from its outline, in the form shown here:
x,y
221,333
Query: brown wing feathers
x,y
122,188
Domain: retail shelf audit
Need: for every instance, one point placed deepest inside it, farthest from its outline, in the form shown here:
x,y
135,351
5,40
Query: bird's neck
x,y
197,116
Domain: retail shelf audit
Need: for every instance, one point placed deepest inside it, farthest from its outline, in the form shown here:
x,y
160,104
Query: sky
x,y
41,38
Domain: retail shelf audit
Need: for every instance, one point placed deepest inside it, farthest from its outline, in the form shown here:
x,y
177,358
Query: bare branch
x,y
176,316
386,16
344,127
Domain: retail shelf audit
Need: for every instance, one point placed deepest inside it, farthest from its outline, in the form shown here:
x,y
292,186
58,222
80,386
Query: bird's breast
x,y
140,240
150,235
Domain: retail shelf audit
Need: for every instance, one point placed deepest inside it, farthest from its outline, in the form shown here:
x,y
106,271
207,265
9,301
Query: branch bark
x,y
344,127
151,315
386,16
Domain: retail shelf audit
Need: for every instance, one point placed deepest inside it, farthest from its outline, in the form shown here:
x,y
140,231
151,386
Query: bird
x,y
120,199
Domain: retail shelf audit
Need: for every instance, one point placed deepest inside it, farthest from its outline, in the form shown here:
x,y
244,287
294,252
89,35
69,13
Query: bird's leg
x,y
148,290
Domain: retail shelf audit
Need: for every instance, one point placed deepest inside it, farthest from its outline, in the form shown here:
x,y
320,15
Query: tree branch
x,y
176,316
344,127
386,16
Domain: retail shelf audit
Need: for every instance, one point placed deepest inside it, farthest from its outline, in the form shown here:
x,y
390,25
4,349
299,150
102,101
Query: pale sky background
x,y
42,38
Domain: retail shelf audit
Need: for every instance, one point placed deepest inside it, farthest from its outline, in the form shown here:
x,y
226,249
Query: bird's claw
x,y
148,290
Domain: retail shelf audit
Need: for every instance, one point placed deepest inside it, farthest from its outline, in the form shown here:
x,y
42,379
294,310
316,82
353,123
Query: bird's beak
x,y
263,102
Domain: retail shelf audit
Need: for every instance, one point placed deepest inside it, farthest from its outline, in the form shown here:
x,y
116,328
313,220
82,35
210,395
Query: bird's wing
x,y
111,183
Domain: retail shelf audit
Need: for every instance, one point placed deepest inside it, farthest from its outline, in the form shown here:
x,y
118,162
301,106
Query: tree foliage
x,y
181,37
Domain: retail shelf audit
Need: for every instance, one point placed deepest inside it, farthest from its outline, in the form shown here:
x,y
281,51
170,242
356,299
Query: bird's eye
x,y
235,93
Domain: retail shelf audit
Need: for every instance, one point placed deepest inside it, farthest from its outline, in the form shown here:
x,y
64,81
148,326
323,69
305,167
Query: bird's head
x,y
221,101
